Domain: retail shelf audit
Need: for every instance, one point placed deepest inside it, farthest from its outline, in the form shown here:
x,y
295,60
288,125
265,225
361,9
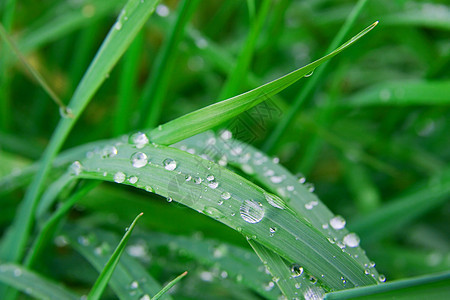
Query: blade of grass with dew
x,y
48,228
33,284
130,277
215,114
291,279
166,288
402,93
432,286
128,86
155,90
133,16
236,76
390,217
237,263
276,134
164,173
106,273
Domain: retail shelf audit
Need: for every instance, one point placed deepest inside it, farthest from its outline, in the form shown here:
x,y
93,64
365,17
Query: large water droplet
x,y
76,168
275,201
296,270
119,177
351,240
251,211
169,164
133,179
337,222
139,139
139,159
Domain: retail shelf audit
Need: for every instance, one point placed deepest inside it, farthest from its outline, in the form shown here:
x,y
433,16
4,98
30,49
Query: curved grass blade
x,y
169,286
130,280
105,275
433,286
215,114
33,284
402,93
133,16
164,170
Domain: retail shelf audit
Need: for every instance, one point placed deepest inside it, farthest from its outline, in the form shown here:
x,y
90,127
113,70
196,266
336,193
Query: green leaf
x,y
33,284
215,114
169,286
105,275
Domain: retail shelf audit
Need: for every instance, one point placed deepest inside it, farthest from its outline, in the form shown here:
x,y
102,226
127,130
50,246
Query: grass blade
x,y
129,22
275,136
33,284
434,286
157,84
169,286
215,114
105,275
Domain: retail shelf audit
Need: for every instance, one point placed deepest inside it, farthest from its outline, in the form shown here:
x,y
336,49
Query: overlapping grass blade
x,y
133,16
309,246
402,93
33,284
433,286
130,279
215,114
104,277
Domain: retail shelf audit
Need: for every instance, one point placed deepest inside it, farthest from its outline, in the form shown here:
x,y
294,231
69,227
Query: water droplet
x,y
269,286
226,135
109,151
309,74
337,222
134,285
247,169
169,199
385,95
76,168
149,189
351,240
296,270
298,285
224,274
162,10
169,164
66,112
290,188
276,179
133,179
118,25
139,139
17,272
119,177
309,186
145,297
198,180
188,177
382,278
251,211
225,195
301,178
275,201
210,177
367,271
313,279
311,204
220,202
139,159
213,184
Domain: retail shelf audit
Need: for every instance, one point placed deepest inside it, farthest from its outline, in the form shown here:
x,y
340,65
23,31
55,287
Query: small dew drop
x,y
210,177
134,285
276,179
169,164
251,211
226,135
139,139
119,177
198,180
188,178
133,179
296,270
139,159
109,151
351,240
213,184
382,278
162,10
17,272
145,297
149,189
225,196
66,112
309,74
337,222
118,25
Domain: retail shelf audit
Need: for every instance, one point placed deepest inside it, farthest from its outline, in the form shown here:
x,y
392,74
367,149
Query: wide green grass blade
x,y
164,173
215,114
156,87
33,284
433,286
104,277
284,123
133,16
130,278
402,93
166,288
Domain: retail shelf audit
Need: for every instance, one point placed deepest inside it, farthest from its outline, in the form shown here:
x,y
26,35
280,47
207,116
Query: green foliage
x,y
368,127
